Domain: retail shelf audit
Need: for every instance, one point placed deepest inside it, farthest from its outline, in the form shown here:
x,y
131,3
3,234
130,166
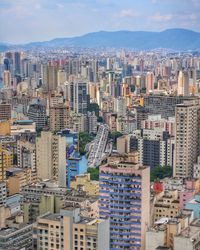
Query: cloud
x,y
161,17
128,13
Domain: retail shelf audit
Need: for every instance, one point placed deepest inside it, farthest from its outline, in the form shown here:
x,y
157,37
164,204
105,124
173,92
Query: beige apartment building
x,y
5,111
19,180
59,117
186,138
69,231
51,157
166,205
179,233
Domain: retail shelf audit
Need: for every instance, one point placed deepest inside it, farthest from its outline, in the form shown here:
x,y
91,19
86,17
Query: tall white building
x,y
120,106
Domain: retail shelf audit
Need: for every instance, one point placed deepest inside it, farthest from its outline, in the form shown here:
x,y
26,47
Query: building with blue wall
x,y
194,204
76,165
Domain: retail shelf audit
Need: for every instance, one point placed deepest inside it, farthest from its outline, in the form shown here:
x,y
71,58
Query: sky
x,y
23,21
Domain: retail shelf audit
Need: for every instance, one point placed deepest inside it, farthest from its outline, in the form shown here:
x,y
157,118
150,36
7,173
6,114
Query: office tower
x,y
183,83
37,113
59,117
79,98
125,200
186,138
149,82
17,62
6,79
5,111
120,106
6,161
68,230
51,157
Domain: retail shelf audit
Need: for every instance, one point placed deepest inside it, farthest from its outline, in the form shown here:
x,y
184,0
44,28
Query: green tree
x,y
161,172
132,88
84,138
94,107
94,173
114,136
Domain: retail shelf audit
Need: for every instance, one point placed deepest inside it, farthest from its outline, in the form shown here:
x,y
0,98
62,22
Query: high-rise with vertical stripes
x,y
125,200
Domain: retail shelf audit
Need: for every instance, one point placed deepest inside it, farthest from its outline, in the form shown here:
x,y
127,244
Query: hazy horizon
x,y
41,20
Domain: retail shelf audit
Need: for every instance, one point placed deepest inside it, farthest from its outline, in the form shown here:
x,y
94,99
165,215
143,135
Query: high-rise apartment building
x,y
79,96
149,82
164,105
125,200
6,161
51,157
153,146
6,79
5,111
59,117
120,106
50,76
37,113
26,155
61,77
183,83
186,138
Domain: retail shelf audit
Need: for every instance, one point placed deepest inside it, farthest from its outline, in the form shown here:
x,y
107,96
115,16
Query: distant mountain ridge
x,y
176,39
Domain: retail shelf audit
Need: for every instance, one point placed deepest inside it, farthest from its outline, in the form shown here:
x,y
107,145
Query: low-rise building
x,y
194,204
19,178
90,187
68,230
43,197
167,205
16,237
189,238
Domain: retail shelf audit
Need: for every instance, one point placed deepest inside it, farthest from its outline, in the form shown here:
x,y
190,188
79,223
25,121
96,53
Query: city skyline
x,y
40,20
